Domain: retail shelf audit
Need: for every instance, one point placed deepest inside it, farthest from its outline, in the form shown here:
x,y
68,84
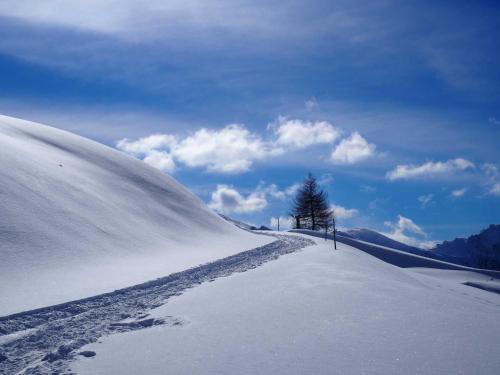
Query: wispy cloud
x,y
145,145
311,104
425,199
458,193
492,178
367,189
495,189
429,169
137,20
494,121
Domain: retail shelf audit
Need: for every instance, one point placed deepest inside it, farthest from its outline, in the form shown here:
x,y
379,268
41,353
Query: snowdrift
x,y
79,218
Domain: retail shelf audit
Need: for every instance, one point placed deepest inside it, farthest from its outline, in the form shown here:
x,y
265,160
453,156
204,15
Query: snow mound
x,y
79,218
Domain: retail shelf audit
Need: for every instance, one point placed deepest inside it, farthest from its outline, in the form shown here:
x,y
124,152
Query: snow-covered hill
x,y
79,218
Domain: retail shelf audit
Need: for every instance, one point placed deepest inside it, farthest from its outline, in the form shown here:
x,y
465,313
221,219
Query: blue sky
x,y
394,106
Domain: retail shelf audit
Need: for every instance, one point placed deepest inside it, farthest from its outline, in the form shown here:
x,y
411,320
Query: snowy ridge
x,y
377,238
46,339
397,257
80,219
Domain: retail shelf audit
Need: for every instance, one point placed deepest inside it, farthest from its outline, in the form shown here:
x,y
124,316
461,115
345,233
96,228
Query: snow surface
x,y
318,311
79,218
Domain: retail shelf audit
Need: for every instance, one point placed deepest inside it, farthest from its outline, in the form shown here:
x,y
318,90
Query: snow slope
x,y
317,311
368,235
79,218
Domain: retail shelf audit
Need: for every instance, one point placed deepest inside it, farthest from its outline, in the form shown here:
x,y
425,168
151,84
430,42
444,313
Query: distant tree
x,y
310,208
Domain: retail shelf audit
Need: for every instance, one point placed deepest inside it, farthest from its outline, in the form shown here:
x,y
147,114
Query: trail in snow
x,y
43,341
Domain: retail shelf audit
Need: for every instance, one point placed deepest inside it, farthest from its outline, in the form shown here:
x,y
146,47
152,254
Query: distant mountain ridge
x,y
377,238
372,236
479,250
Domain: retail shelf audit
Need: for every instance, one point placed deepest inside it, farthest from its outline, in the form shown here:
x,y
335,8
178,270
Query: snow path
x,y
50,337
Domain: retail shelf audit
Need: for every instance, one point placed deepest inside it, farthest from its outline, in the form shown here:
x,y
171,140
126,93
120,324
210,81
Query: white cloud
x,y
227,199
292,189
425,199
458,193
352,150
231,149
325,179
285,223
300,134
493,178
490,170
142,20
428,244
161,160
429,169
367,189
405,230
144,145
344,213
495,189
234,148
274,191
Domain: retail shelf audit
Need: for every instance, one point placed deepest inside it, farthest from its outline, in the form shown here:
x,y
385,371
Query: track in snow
x,y
43,341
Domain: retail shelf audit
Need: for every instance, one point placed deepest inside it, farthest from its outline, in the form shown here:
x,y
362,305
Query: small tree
x,y
310,206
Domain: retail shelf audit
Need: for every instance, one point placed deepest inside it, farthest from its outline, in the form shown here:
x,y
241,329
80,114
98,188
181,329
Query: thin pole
x,y
278,223
334,235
